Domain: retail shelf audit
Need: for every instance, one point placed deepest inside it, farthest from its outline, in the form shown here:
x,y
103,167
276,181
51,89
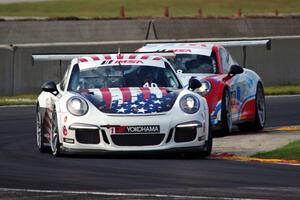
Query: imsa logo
x,y
136,129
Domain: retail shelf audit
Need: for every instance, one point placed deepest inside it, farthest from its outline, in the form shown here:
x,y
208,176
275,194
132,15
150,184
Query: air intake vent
x,y
185,134
87,136
138,140
104,136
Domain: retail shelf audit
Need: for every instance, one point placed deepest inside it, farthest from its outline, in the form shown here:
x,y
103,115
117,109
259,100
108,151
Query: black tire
x,y
208,143
226,120
203,153
40,131
54,137
260,112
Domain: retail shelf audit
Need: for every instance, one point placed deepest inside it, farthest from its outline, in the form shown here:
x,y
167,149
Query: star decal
x,y
133,106
122,110
142,110
157,101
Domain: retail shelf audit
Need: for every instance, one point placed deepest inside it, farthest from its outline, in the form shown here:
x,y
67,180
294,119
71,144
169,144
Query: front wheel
x,y
260,108
54,137
226,119
40,138
260,112
208,143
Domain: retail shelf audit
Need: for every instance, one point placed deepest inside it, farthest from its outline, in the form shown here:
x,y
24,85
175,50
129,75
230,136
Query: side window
x,y
74,79
214,62
172,79
224,60
231,61
63,83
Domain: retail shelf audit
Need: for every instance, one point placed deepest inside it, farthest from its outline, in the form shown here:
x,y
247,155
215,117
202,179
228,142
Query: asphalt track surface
x,y
141,176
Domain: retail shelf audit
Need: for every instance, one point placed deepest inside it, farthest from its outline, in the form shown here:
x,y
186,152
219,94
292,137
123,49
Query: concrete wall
x,y
278,66
6,70
226,28
27,76
17,32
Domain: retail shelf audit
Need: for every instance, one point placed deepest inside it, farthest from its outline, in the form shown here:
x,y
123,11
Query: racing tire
x,y
203,153
226,119
40,131
208,143
260,112
54,136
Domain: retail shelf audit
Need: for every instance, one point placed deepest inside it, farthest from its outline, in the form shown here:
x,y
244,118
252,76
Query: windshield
x,y
194,63
122,76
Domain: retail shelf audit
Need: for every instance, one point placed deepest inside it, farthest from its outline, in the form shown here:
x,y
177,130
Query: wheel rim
x,y
260,106
228,111
54,137
38,130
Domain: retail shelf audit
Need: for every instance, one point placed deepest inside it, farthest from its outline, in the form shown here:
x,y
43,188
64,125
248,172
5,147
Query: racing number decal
x,y
150,85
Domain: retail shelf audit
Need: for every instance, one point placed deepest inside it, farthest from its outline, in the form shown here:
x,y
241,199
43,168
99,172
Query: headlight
x,y
189,104
205,88
77,106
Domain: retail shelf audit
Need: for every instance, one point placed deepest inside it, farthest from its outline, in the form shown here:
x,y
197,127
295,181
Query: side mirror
x,y
50,86
194,83
235,69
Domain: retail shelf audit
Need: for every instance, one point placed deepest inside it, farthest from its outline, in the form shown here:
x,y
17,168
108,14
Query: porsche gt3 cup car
x,y
121,102
234,95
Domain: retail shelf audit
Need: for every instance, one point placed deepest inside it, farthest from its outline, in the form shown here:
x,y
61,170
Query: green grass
x,y
278,90
18,100
288,152
134,8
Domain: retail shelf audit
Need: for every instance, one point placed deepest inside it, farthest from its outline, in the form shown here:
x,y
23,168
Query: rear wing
x,y
244,44
69,57
226,43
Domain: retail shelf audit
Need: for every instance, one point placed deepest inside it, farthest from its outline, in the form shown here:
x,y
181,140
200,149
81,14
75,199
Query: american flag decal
x,y
132,100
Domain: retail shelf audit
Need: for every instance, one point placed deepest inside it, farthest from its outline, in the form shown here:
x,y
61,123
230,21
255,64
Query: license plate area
x,y
143,129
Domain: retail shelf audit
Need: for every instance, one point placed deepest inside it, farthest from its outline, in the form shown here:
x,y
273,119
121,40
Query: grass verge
x,y
288,152
280,90
154,8
18,100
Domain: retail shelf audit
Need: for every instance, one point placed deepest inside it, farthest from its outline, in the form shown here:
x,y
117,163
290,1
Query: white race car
x,y
121,102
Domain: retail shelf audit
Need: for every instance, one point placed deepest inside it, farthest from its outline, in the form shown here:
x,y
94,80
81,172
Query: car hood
x,y
185,77
132,100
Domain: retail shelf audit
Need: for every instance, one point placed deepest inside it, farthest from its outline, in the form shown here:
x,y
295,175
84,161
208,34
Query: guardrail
x,y
18,75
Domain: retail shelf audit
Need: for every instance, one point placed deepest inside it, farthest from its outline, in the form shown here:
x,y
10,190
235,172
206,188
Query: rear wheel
x,y
226,119
54,137
260,112
40,138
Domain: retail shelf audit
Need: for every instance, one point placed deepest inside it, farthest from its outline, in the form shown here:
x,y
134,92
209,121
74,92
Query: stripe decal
x,y
146,92
126,94
107,57
134,93
106,96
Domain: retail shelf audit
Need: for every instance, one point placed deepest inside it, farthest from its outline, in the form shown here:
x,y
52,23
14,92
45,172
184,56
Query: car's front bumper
x,y
175,134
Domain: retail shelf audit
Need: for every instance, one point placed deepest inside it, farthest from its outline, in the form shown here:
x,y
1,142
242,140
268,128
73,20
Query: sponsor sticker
x,y
135,129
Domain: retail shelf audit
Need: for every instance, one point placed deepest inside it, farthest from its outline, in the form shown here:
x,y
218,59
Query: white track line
x,y
17,106
117,194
